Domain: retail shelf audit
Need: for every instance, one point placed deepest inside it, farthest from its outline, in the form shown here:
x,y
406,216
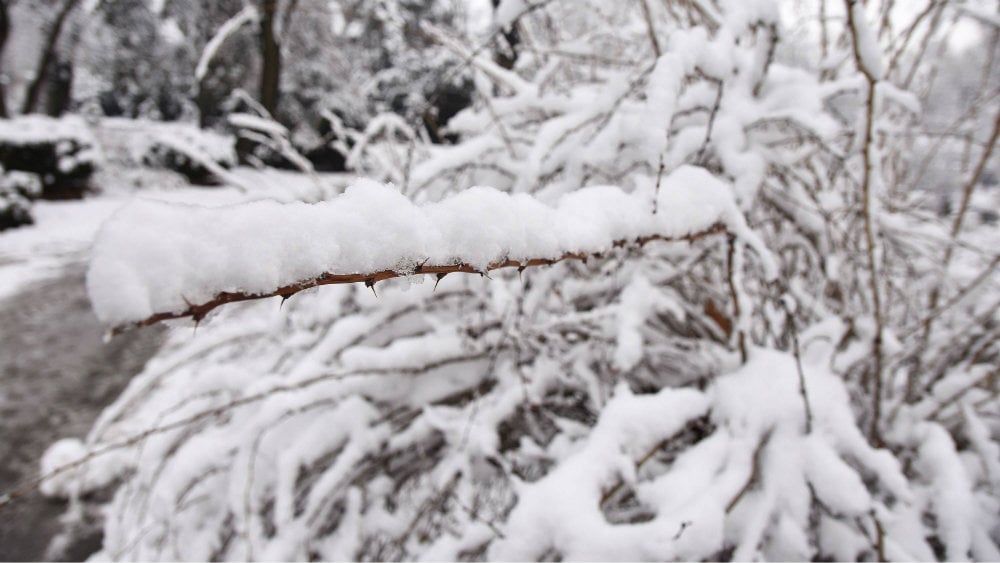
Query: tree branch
x,y
198,311
867,195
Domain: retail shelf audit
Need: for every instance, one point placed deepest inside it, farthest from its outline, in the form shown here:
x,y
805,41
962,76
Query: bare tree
x,y
270,55
48,57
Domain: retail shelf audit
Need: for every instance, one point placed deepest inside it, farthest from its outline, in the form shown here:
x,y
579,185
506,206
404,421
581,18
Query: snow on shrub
x,y
157,258
190,151
17,191
62,152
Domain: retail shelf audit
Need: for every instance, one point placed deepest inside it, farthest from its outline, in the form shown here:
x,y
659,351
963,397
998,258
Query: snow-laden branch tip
x,y
245,16
154,261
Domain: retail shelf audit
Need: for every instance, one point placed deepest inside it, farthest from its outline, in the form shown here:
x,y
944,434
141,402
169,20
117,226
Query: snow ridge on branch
x,y
155,261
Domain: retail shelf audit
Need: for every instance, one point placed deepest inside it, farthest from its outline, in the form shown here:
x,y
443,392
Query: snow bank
x,y
153,257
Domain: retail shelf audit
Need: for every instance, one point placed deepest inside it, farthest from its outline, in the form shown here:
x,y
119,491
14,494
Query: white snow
x,y
509,10
869,52
61,235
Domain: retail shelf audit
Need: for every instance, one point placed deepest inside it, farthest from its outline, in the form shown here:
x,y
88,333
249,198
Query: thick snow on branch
x,y
153,257
246,15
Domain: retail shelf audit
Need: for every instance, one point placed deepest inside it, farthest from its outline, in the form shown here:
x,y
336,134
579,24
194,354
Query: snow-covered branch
x,y
247,15
156,261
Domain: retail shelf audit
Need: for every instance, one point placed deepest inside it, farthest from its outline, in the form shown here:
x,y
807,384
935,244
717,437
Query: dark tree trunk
x,y
47,57
270,51
4,30
59,91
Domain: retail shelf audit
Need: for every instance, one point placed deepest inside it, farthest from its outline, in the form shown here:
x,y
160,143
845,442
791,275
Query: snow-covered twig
x,y
199,311
245,16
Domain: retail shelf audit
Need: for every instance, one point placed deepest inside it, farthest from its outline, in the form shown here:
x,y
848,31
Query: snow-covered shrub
x,y
189,151
814,378
62,152
17,191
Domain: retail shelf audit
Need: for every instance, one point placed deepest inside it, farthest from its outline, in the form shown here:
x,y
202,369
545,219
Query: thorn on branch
x,y
439,278
370,283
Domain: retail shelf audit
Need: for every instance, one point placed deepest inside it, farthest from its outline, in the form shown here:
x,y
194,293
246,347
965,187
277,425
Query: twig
x,y
650,29
198,311
793,329
734,294
867,196
754,473
711,117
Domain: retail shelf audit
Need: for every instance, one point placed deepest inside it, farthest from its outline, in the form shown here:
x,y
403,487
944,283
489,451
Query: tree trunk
x,y
4,30
270,72
47,56
59,90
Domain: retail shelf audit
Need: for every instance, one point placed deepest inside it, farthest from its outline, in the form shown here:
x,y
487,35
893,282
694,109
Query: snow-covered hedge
x,y
190,151
17,191
62,152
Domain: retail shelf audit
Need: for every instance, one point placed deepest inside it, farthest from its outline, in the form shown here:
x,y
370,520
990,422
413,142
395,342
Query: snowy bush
x,y
189,151
757,345
62,152
17,191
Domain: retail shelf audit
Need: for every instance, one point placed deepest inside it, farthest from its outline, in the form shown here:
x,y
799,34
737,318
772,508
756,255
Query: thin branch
x,y
867,196
650,28
198,311
803,390
734,294
755,470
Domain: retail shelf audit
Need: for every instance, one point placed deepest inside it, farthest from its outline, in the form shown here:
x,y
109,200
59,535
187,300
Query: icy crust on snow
x,y
153,257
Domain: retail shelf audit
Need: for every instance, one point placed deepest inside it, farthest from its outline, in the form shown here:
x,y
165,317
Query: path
x,y
56,375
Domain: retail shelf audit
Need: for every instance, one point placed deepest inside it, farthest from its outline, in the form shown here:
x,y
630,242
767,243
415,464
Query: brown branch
x,y
650,28
734,294
198,311
867,195
755,471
